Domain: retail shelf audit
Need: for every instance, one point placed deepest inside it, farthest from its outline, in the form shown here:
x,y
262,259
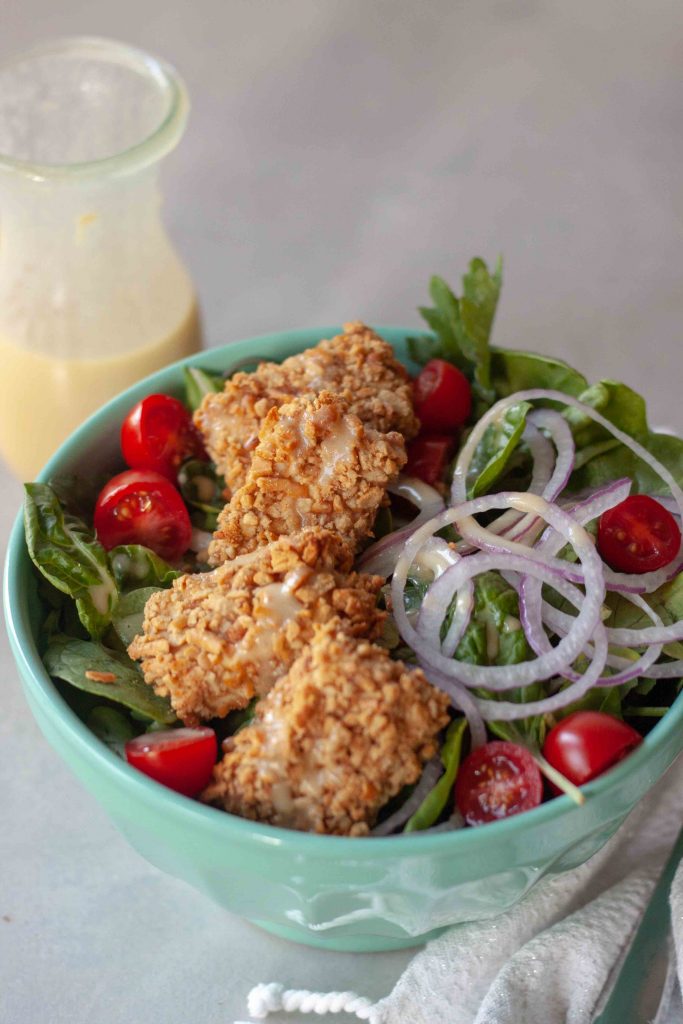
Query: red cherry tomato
x,y
638,535
585,744
496,780
181,759
428,456
142,507
158,433
443,397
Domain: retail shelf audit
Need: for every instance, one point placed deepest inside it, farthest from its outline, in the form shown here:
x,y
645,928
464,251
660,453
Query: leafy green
x,y
127,620
462,326
513,371
494,635
136,566
199,383
601,458
202,489
67,553
432,807
495,449
112,727
666,601
75,661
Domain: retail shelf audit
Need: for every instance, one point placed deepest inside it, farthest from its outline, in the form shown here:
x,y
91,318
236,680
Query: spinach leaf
x,y
431,808
136,566
202,489
67,553
112,727
199,383
513,371
494,635
96,669
666,601
127,620
495,449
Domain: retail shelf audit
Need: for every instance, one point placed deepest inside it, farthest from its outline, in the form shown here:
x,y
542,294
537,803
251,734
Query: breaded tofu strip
x,y
216,639
357,363
333,741
315,465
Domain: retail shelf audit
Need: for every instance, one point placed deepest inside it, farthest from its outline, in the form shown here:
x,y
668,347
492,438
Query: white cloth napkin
x,y
551,959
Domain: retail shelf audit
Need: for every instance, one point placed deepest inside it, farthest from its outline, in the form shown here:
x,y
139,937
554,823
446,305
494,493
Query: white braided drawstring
x,y
265,999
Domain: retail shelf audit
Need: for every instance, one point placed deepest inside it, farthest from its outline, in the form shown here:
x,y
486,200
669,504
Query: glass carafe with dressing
x,y
92,294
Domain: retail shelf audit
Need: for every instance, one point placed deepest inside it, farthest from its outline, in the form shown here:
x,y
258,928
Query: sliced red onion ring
x,y
380,558
430,776
646,582
525,673
533,614
667,670
543,462
507,711
462,700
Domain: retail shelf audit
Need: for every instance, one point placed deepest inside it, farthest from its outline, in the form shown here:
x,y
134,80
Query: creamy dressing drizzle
x,y
336,448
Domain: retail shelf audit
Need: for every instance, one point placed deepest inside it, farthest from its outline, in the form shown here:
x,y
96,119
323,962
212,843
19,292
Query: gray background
x,y
337,155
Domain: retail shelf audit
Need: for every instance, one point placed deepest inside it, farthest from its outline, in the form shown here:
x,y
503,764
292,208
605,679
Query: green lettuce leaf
x,y
433,805
112,727
70,659
67,553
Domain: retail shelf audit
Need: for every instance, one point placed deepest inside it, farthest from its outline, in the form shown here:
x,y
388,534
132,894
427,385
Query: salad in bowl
x,y
379,588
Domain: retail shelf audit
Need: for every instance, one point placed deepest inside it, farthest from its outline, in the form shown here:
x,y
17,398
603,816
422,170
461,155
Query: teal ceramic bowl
x,y
326,891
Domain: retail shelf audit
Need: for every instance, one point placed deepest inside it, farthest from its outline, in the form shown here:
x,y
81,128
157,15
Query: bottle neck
x,y
88,265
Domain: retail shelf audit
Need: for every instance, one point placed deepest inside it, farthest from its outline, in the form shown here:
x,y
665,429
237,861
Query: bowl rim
x,y
37,680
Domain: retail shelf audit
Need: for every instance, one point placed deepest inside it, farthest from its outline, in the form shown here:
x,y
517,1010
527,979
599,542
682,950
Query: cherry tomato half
x,y
181,759
638,535
158,433
496,780
428,456
585,744
442,395
142,507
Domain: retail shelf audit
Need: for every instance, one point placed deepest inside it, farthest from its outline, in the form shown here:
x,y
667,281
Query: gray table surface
x,y
338,154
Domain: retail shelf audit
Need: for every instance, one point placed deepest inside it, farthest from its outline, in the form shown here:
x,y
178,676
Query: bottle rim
x,y
149,150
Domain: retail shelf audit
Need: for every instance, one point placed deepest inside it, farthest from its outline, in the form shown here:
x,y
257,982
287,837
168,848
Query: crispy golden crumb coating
x,y
216,639
357,363
315,465
333,741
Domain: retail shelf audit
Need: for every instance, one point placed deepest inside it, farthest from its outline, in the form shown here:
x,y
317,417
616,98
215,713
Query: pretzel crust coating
x,y
357,364
333,741
214,640
315,465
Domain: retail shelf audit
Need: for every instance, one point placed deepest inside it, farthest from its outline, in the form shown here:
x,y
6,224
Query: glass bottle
x,y
92,294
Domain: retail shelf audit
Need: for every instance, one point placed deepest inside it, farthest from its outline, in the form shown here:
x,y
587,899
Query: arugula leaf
x,y
463,326
601,458
67,553
127,620
199,383
136,566
495,449
76,661
202,489
431,808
